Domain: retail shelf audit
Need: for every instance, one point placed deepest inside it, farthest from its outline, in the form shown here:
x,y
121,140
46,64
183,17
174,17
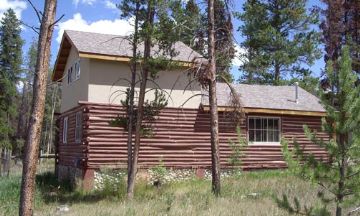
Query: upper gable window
x,y
69,75
77,70
74,72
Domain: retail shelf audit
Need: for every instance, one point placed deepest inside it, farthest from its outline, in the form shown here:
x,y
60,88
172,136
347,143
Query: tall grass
x,y
248,193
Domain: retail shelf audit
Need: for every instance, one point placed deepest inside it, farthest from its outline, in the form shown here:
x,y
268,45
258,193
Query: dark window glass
x,y
251,123
264,129
258,136
251,135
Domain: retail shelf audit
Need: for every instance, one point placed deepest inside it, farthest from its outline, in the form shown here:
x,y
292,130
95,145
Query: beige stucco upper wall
x,y
76,91
107,82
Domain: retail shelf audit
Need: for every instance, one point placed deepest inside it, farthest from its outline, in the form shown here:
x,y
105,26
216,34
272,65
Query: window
x,y
77,70
78,127
65,130
264,129
74,72
70,75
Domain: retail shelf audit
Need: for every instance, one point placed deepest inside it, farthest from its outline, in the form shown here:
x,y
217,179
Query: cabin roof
x,y
267,97
110,47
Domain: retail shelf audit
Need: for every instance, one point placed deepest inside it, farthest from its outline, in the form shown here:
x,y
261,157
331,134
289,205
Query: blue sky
x,y
99,16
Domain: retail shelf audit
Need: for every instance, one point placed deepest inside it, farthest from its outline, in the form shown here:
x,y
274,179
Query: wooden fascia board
x,y
270,111
120,58
67,38
103,57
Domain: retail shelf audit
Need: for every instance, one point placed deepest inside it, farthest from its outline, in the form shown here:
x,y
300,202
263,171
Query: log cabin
x,y
93,70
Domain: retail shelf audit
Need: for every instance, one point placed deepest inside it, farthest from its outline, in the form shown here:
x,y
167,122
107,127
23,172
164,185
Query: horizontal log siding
x,y
71,153
181,140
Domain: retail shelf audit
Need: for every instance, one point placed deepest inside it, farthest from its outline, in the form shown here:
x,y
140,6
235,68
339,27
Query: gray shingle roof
x,y
116,45
268,97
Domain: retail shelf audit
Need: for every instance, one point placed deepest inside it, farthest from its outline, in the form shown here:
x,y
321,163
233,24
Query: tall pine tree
x,y
341,26
10,69
278,39
339,177
192,24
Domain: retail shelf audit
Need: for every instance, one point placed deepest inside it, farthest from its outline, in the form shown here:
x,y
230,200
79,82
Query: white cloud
x,y
17,5
110,5
239,58
116,27
87,2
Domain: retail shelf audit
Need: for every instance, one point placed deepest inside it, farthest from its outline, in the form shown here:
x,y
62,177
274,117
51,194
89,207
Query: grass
x,y
251,193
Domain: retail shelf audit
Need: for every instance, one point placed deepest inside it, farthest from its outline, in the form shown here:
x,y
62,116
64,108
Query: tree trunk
x,y
342,173
7,162
53,107
1,160
2,167
21,127
214,118
132,90
37,109
144,75
277,74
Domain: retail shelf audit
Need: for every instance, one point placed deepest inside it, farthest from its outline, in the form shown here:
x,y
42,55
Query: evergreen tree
x,y
278,39
26,96
10,69
152,24
339,176
224,42
342,26
192,23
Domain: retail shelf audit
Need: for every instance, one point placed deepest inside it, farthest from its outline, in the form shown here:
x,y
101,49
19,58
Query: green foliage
x,y
10,69
338,176
192,25
113,186
159,172
237,148
151,110
279,40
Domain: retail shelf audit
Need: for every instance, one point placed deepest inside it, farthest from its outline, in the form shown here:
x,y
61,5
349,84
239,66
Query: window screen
x,y
264,129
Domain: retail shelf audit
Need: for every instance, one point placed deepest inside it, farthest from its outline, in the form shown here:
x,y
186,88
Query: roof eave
x,y
251,110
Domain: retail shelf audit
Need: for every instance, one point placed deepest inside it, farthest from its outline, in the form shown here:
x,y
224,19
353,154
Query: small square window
x,y
264,129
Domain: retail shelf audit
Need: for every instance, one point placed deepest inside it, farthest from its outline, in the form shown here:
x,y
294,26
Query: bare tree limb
x,y
38,13
35,29
58,20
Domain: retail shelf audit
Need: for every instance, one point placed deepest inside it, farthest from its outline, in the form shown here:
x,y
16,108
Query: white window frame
x,y
263,143
77,70
65,130
78,127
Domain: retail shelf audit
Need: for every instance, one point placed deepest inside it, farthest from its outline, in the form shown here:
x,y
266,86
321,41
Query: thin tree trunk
x,y
277,74
132,90
7,162
21,127
214,118
342,172
147,48
2,167
53,104
37,109
1,161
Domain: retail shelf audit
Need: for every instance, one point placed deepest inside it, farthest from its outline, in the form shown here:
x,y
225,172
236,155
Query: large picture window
x,y
264,129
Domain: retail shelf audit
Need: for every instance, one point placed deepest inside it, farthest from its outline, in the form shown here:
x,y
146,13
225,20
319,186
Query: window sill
x,y
264,143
